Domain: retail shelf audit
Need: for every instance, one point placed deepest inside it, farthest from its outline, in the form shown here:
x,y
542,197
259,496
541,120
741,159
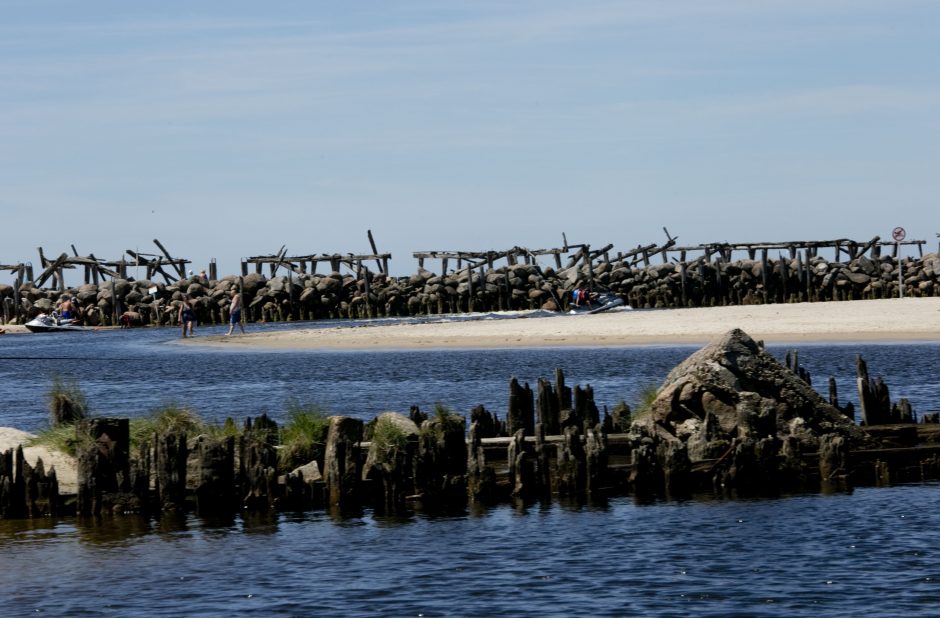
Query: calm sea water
x,y
870,551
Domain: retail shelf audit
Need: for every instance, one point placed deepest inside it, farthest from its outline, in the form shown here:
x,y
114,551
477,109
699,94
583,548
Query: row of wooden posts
x,y
553,441
578,253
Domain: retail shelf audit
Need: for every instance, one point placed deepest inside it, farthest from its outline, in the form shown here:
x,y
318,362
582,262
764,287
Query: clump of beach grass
x,y
67,402
387,437
645,404
170,418
303,436
64,438
67,407
447,422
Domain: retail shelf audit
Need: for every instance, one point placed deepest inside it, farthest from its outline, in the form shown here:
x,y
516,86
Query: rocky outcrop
x,y
732,391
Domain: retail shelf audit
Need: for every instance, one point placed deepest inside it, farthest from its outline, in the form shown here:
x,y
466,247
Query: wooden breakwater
x,y
650,276
553,442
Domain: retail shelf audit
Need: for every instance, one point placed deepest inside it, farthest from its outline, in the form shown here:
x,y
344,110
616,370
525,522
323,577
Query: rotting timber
x,y
730,421
357,286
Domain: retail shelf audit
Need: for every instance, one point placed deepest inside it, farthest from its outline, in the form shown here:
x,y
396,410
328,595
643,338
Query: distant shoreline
x,y
910,319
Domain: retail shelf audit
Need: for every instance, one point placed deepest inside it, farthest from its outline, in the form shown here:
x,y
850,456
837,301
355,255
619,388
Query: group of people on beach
x,y
187,317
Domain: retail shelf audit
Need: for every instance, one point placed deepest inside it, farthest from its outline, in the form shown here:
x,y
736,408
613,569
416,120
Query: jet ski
x,y
600,303
45,323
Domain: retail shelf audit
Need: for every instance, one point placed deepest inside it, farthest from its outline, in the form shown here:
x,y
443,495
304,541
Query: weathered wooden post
x,y
441,465
589,270
26,491
391,466
865,400
571,464
521,414
684,282
481,478
673,460
469,288
584,407
521,468
341,461
800,276
103,465
169,470
833,457
765,274
257,463
12,484
547,407
367,289
562,392
703,279
216,488
543,476
595,458
17,299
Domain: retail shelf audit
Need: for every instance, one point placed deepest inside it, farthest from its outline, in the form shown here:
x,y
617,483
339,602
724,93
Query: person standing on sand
x,y
235,313
186,317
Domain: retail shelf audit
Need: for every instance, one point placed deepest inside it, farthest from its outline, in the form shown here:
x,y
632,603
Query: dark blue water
x,y
132,372
871,551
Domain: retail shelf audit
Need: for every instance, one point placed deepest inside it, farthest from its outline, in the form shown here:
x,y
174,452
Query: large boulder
x,y
732,389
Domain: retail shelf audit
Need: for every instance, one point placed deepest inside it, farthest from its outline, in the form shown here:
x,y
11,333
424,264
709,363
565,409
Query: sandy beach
x,y
909,319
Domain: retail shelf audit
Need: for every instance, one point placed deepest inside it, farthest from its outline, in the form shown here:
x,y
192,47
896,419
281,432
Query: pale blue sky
x,y
228,129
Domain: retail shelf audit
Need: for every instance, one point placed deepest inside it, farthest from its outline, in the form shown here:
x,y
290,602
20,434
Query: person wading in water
x,y
187,317
235,313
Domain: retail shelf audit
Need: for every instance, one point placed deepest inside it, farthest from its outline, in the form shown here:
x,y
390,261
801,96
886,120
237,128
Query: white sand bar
x,y
908,319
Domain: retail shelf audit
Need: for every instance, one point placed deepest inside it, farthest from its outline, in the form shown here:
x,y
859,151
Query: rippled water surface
x,y
871,551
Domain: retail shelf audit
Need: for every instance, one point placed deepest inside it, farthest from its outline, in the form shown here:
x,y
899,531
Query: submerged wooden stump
x,y
26,491
441,462
481,478
571,464
215,486
104,479
257,463
341,462
390,465
169,470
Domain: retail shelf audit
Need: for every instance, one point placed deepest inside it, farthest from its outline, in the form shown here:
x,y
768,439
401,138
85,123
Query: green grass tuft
x,y
62,438
67,402
171,418
388,437
647,397
303,436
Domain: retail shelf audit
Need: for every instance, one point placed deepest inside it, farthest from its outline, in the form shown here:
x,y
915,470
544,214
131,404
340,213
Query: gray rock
x,y
737,390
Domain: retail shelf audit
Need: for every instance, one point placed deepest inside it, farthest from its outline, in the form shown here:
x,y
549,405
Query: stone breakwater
x,y
363,294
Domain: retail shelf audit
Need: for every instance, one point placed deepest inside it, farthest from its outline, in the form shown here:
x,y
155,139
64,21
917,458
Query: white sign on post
x,y
898,234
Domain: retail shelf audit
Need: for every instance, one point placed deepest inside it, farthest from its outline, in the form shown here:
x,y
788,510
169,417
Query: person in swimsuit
x,y
186,317
66,309
235,313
